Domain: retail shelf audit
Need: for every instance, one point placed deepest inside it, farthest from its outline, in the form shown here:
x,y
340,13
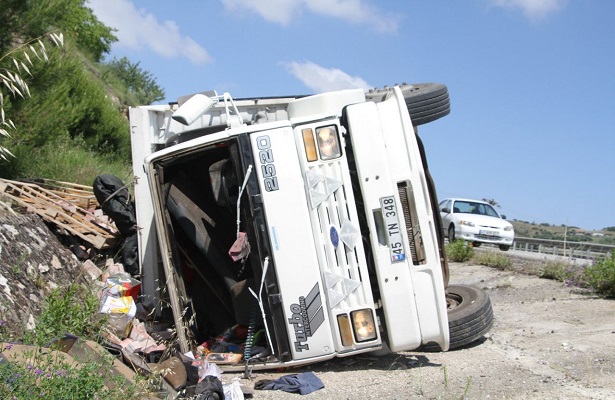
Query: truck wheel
x,y
470,316
426,102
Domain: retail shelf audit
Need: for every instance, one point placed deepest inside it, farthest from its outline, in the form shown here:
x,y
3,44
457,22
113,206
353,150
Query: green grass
x,y
493,259
64,160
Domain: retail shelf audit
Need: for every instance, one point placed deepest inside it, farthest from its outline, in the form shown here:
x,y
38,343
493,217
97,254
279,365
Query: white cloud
x,y
533,9
283,11
321,79
138,29
277,11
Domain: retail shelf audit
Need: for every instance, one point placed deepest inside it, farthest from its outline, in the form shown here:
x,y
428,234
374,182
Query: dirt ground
x,y
548,341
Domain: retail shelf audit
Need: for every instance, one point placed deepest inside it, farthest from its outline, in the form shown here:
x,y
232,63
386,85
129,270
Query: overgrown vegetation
x,y
560,271
459,251
63,116
493,260
45,375
74,310
74,99
601,276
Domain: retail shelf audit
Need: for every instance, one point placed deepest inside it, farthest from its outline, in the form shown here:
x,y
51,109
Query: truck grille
x,y
337,234
408,205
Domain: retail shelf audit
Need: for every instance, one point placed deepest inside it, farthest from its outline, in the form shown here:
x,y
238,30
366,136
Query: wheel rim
x,y
453,300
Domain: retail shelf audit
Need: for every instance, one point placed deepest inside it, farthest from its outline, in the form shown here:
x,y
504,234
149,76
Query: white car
x,y
475,221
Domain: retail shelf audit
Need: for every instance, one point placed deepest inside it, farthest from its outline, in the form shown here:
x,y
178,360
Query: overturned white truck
x,y
310,220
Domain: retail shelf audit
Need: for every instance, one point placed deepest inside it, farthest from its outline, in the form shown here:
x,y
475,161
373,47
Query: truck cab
x,y
308,220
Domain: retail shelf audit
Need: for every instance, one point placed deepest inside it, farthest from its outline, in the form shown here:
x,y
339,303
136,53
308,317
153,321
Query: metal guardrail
x,y
584,250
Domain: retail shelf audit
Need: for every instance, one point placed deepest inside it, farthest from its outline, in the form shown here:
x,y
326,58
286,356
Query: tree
x,y
492,202
33,18
141,85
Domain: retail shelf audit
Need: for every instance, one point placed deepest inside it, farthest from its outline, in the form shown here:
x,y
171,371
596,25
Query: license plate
x,y
392,228
488,233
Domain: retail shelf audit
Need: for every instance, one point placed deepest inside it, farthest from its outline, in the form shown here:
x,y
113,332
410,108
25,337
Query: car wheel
x,y
504,247
476,244
451,233
426,102
470,316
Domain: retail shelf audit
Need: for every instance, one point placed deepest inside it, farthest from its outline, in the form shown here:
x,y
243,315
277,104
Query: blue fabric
x,y
303,383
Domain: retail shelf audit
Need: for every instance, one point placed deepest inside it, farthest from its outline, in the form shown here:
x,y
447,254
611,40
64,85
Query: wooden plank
x,y
73,192
57,210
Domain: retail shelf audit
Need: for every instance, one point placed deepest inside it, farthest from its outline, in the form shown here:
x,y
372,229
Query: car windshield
x,y
471,207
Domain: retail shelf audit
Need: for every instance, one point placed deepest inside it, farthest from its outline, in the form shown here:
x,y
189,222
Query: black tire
x,y
451,233
470,316
426,102
476,244
504,247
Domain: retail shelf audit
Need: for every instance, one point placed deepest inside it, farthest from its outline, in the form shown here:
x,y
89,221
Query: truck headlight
x,y
328,142
309,144
363,325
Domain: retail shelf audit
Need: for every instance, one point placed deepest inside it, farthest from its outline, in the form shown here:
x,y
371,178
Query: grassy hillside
x,y
562,232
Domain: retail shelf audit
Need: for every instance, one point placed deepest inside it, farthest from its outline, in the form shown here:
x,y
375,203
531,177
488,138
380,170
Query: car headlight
x,y
328,142
466,223
508,228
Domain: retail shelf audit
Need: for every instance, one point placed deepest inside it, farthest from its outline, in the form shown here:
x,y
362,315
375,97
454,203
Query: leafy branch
x,y
11,78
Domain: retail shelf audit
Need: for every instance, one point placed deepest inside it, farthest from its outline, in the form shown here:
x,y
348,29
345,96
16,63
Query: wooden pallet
x,y
81,195
61,205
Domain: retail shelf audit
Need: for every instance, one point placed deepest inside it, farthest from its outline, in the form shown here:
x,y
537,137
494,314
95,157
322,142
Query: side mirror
x,y
193,108
503,216
445,210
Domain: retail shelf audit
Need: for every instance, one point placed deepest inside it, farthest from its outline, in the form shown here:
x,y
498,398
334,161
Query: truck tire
x,y
470,316
426,102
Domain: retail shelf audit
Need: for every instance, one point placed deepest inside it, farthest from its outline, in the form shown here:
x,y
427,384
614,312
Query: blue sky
x,y
531,82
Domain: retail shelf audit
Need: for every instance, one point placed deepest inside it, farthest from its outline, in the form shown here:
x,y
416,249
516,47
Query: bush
x,y
494,260
555,270
72,309
459,251
601,276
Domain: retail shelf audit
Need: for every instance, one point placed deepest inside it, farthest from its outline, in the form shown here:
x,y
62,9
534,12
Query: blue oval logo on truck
x,y
335,237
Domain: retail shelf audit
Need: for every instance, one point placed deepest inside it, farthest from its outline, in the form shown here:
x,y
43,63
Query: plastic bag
x,y
232,391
